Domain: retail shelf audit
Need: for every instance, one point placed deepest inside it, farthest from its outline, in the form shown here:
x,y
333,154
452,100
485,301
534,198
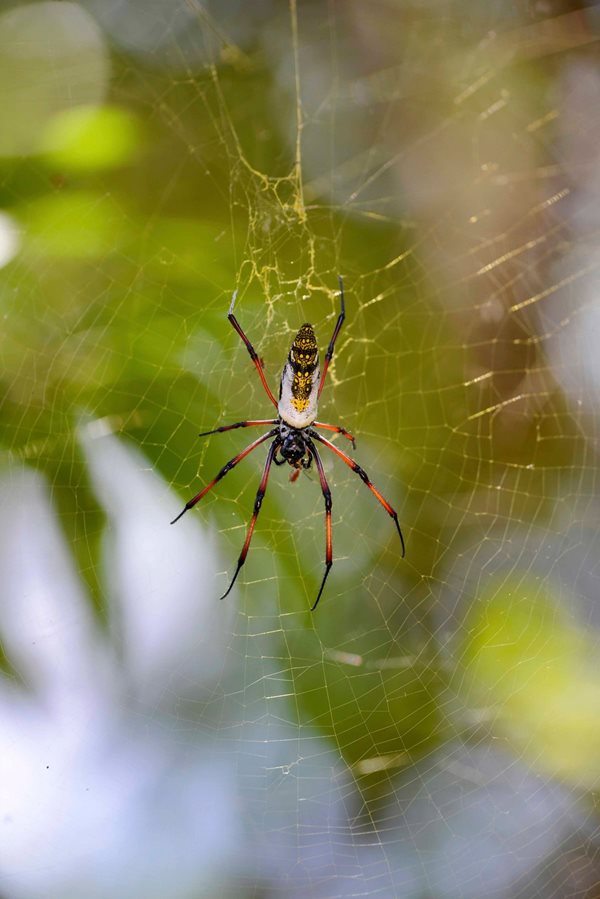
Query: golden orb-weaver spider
x,y
294,432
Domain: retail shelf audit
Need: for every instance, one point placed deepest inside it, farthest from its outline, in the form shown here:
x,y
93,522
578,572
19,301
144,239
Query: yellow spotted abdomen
x,y
300,380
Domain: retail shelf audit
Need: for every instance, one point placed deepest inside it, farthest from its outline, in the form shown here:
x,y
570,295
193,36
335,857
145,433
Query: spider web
x,y
432,729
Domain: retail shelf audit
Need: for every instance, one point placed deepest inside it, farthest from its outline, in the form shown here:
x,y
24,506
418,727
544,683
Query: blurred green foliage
x,y
535,670
90,139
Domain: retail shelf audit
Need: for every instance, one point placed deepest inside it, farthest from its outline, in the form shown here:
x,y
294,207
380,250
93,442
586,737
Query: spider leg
x,y
337,429
240,424
327,497
365,479
336,331
227,467
253,354
262,487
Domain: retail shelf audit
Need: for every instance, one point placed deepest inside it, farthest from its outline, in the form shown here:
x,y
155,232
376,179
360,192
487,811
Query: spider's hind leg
x,y
226,468
328,505
260,493
366,480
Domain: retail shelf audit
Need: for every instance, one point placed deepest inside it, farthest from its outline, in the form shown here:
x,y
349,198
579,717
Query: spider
x,y
295,431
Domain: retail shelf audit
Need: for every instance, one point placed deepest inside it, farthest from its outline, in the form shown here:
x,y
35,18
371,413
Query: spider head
x,y
293,447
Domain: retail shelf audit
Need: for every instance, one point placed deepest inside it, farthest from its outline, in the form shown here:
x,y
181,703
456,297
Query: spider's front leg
x,y
252,352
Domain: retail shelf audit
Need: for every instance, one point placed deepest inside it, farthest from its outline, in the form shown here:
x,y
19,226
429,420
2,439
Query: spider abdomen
x,y
299,387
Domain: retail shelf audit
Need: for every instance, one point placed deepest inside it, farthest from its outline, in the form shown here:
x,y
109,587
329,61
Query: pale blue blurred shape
x,y
572,317
479,820
568,316
161,578
152,772
48,629
299,793
466,822
96,798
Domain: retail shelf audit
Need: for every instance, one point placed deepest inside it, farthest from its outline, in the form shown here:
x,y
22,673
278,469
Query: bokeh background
x,y
432,731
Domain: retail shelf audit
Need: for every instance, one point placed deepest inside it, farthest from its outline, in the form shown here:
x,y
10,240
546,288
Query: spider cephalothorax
x,y
295,431
293,447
